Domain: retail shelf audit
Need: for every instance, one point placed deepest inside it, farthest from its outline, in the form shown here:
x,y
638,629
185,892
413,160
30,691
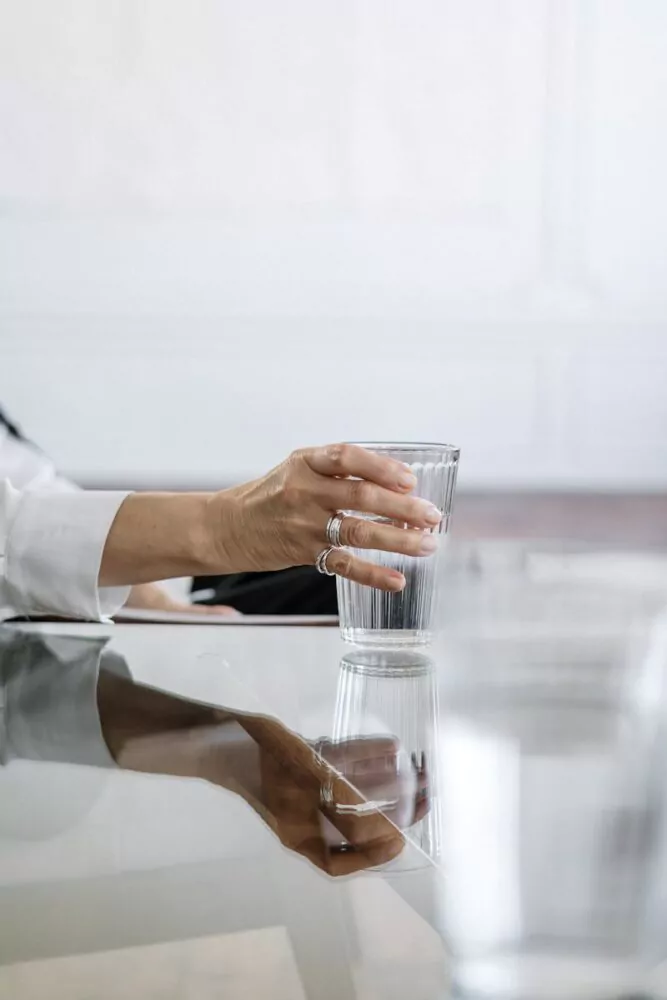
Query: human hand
x,y
329,821
339,805
152,597
280,519
398,784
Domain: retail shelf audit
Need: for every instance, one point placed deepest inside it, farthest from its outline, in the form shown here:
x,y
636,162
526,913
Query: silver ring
x,y
334,524
321,562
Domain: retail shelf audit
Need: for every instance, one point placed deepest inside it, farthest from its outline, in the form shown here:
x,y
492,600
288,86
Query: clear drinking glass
x,y
552,771
374,617
392,694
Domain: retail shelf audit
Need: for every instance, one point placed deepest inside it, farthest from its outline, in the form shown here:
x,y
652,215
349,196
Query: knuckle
x,y
412,541
359,533
292,495
344,563
338,455
361,495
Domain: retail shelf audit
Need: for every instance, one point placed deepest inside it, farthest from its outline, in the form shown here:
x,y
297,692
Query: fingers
x,y
343,563
422,807
385,850
360,533
369,498
353,840
348,859
368,763
380,852
355,754
350,460
212,609
379,485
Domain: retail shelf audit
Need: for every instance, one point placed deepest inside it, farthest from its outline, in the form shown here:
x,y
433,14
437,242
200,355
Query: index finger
x,y
344,460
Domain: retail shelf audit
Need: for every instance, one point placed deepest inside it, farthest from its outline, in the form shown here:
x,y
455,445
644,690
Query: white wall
x,y
229,227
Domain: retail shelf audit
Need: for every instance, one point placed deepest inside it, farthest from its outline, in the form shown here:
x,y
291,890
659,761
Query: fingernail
x,y
407,480
431,514
398,580
428,545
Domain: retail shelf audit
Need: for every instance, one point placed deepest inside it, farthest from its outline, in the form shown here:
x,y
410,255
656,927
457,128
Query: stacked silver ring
x,y
334,524
332,532
321,562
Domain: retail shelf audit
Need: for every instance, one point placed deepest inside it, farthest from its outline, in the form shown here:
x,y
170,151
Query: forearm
x,y
156,732
157,536
150,730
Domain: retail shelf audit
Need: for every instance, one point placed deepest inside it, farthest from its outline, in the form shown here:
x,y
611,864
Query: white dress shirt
x,y
52,537
48,698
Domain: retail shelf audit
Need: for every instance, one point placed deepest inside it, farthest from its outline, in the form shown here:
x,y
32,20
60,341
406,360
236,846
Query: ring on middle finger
x,y
334,524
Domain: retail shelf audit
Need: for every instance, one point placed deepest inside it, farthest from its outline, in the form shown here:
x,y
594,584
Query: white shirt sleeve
x,y
49,690
51,546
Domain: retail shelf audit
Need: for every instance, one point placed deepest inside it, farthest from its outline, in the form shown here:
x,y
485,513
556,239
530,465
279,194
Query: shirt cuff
x,y
54,551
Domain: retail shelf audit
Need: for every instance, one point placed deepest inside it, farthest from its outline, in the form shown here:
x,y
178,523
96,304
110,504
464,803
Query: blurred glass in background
x,y
552,778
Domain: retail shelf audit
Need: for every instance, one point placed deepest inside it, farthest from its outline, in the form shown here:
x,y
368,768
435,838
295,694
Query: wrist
x,y
157,536
229,758
220,534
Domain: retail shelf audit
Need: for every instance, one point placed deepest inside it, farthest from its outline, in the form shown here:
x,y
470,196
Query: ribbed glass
x,y
375,617
393,693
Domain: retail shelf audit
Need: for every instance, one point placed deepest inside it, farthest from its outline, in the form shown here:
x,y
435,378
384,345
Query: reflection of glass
x,y
552,791
393,694
374,617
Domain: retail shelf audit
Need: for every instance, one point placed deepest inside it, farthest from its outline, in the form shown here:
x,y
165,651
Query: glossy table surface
x,y
137,878
198,811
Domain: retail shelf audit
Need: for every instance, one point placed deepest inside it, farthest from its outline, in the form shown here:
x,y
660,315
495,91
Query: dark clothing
x,y
13,429
298,591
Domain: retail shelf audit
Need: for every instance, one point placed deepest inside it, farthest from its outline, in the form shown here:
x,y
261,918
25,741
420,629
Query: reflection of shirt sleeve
x,y
50,701
51,546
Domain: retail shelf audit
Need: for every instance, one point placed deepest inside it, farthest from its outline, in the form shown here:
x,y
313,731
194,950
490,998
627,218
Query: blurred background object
x,y
457,210
552,776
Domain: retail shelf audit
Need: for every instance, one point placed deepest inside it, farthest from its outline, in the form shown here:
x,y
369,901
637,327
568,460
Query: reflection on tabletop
x,y
339,803
552,775
394,691
510,784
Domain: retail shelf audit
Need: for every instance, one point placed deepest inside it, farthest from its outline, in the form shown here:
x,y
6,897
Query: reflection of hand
x,y
384,775
301,797
343,815
330,822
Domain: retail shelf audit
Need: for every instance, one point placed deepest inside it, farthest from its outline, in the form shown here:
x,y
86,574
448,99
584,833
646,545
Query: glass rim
x,y
408,446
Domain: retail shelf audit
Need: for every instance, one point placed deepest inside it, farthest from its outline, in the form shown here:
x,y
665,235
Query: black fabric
x,y
13,428
298,591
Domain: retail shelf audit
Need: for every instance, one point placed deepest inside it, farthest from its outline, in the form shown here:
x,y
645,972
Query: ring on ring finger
x,y
321,562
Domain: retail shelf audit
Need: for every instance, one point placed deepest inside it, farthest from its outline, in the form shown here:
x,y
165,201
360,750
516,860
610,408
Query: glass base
x,y
386,636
